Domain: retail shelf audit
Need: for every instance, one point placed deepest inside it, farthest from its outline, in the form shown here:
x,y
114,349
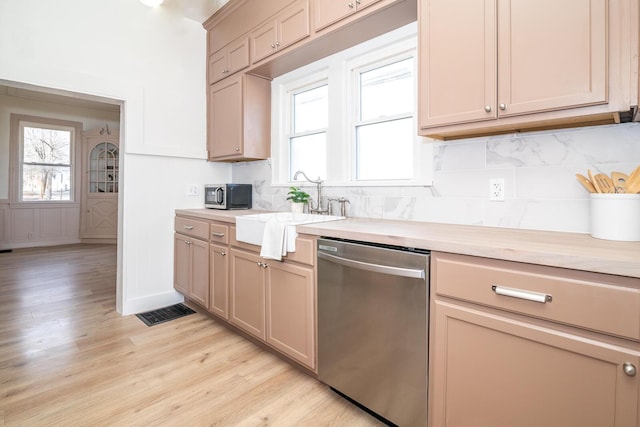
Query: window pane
x,y
387,91
385,150
46,183
311,110
47,146
309,154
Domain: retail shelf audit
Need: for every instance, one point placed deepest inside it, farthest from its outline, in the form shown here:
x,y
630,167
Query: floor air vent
x,y
165,314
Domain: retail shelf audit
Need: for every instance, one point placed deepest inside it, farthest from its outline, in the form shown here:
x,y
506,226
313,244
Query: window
x,y
350,118
308,138
45,152
384,125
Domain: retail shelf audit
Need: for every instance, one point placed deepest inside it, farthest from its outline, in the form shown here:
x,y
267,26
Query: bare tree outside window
x,y
46,164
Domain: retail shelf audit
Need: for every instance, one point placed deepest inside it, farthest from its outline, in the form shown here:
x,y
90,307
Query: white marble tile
x,y
551,215
456,155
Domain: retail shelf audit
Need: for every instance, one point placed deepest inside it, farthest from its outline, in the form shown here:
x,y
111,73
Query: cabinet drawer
x,y
594,301
192,227
305,248
305,251
219,233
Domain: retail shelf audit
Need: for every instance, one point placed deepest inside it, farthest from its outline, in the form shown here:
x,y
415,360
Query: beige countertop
x,y
568,250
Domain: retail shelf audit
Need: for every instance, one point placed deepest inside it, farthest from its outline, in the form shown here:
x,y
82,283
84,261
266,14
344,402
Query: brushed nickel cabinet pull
x,y
629,369
217,234
188,227
522,294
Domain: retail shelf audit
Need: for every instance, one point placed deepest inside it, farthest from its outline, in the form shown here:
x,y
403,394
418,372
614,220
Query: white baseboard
x,y
151,302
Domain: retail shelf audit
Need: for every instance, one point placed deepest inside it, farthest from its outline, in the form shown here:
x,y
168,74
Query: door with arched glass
x,y
101,178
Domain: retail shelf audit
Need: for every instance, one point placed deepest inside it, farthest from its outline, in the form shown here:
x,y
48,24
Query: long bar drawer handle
x,y
188,227
217,234
519,293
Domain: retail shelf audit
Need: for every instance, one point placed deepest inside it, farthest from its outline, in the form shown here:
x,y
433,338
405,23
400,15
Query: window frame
x,y
17,124
338,70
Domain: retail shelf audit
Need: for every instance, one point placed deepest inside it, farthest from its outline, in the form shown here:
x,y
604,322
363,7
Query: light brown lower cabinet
x,y
498,368
247,293
219,280
191,268
274,301
290,310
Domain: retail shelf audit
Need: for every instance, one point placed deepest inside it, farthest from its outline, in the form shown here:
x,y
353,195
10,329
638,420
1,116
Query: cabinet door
x,y
227,61
263,41
328,12
290,309
553,60
293,24
238,55
225,118
199,290
247,292
457,71
181,264
494,371
101,217
217,66
219,280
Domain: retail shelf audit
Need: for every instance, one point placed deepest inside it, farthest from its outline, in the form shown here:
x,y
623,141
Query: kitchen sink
x,y
250,228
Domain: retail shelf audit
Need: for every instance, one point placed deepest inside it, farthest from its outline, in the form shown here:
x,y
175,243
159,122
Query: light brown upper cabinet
x,y
229,59
239,119
330,12
286,28
501,65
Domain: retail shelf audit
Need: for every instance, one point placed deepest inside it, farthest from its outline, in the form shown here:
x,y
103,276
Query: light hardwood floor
x,y
68,359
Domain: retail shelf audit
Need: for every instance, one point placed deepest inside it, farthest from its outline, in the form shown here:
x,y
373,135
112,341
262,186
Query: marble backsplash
x,y
541,191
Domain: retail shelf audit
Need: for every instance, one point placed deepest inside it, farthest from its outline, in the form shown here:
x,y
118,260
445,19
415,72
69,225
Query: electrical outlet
x,y
192,190
496,190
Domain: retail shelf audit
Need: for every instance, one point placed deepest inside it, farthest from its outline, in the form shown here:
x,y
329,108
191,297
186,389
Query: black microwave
x,y
227,196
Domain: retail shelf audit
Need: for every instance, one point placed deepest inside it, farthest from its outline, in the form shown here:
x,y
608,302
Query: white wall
x,y
539,169
153,61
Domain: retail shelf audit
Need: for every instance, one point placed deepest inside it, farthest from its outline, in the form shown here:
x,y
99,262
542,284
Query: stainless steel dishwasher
x,y
373,326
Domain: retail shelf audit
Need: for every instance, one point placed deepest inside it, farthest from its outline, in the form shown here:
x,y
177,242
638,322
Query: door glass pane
x,y
311,110
385,150
387,91
103,168
309,154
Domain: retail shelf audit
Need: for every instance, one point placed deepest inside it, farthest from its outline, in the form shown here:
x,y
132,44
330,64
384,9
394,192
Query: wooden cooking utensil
x,y
586,183
604,183
593,181
633,182
619,181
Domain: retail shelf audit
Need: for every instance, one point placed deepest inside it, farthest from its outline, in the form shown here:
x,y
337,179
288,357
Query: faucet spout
x,y
318,182
298,173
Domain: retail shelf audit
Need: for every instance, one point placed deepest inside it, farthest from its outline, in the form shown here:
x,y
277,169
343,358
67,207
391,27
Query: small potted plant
x,y
298,199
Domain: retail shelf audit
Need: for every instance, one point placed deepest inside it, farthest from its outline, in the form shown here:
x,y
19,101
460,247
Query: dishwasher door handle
x,y
377,268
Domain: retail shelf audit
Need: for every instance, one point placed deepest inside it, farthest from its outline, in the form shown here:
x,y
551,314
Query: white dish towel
x,y
274,239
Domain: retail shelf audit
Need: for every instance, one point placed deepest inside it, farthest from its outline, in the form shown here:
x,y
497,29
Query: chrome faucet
x,y
318,182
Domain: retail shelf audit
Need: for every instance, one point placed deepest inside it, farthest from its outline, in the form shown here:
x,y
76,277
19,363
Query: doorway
x,y
23,226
